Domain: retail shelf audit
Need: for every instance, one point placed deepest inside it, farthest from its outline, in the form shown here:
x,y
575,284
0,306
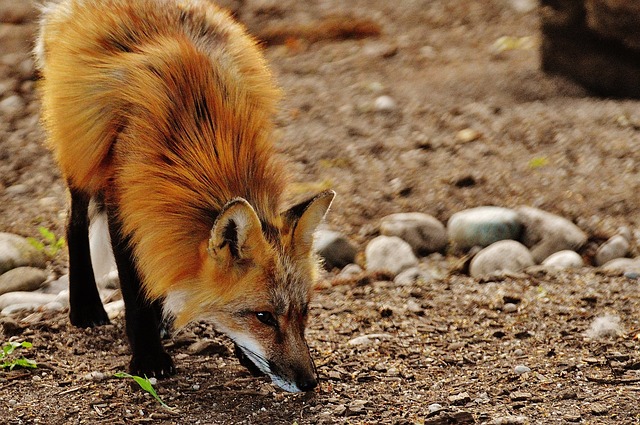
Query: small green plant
x,y
538,162
146,385
50,243
8,349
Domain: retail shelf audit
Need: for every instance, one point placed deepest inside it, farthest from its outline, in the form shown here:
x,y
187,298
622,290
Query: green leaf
x,y
146,385
22,362
538,162
35,243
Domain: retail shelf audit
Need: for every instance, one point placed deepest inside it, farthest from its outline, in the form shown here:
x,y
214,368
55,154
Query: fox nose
x,y
307,383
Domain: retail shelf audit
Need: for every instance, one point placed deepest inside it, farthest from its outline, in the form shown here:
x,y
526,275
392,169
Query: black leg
x,y
143,327
166,323
85,306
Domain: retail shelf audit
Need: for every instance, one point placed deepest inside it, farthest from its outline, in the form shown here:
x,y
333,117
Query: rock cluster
x,y
409,248
502,239
26,285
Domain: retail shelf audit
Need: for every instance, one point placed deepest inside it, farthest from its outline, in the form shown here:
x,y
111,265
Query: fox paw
x,y
157,365
88,317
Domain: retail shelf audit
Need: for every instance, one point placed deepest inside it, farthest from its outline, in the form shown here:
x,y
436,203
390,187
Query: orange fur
x,y
164,109
113,102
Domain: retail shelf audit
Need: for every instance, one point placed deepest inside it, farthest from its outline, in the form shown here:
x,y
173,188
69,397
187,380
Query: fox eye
x,y
267,318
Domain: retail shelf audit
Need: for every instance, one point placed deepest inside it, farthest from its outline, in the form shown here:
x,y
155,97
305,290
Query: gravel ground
x,y
465,124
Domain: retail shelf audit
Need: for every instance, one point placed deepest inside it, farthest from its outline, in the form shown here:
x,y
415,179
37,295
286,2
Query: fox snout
x,y
292,368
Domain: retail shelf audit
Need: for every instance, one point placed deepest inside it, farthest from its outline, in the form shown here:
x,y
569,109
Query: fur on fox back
x,y
167,112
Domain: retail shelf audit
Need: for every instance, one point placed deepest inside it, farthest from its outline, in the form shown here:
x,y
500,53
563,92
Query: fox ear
x,y
304,218
236,231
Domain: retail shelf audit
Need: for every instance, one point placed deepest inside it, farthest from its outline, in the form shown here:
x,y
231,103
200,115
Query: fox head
x,y
259,279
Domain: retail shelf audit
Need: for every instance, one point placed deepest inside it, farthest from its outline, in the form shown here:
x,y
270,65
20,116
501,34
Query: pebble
x,y
335,248
385,104
564,259
16,251
368,339
501,256
546,233
12,107
114,308
93,376
349,271
520,396
467,135
510,308
616,247
22,279
623,265
599,409
460,399
340,410
389,253
425,233
413,275
434,407
17,189
482,226
521,369
523,6
510,420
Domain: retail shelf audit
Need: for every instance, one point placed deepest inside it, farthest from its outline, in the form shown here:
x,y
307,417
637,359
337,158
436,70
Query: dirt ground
x,y
533,139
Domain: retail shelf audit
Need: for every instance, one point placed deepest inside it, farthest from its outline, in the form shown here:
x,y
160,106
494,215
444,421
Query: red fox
x,y
160,112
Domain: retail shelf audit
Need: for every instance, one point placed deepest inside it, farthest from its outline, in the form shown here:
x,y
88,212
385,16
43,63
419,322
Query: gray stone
x,y
114,308
520,369
16,251
501,256
546,233
22,279
564,259
349,271
509,308
434,407
623,265
25,298
389,253
335,248
523,6
385,104
483,226
17,189
423,232
616,247
412,275
57,286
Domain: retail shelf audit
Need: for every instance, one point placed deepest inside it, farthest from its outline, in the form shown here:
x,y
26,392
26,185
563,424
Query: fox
x,y
160,116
